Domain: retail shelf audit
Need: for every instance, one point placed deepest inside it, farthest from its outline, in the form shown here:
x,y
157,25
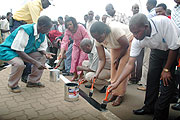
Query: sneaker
x,y
39,84
15,89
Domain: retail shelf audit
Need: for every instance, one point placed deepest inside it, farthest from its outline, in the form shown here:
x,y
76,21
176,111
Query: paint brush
x,y
92,87
105,101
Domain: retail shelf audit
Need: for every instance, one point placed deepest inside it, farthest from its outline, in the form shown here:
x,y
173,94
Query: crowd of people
x,y
114,49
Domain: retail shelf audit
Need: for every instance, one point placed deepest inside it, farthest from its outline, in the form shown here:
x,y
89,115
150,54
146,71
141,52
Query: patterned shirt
x,y
118,17
175,16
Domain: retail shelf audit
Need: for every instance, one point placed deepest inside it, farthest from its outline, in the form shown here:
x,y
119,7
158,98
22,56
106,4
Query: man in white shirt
x,y
161,35
27,43
90,66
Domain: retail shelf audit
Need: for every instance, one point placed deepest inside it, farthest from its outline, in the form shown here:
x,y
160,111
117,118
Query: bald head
x,y
110,10
85,42
139,20
86,45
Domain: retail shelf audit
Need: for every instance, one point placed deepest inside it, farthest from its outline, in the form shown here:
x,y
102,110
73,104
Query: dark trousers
x,y
16,24
51,61
153,101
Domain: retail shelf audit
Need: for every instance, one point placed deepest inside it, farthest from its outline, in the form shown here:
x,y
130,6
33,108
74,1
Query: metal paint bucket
x,y
54,75
71,92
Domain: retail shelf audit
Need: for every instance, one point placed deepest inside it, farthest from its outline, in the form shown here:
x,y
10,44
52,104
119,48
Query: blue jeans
x,y
67,61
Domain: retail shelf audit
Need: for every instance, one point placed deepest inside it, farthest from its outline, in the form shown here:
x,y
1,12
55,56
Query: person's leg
x,y
74,61
145,67
139,65
68,58
102,79
119,92
16,72
51,61
16,24
36,74
163,102
153,80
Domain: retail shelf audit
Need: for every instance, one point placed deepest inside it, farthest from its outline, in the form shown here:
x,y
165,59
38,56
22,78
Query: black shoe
x,y
39,84
87,86
174,99
24,79
142,111
176,106
103,90
64,71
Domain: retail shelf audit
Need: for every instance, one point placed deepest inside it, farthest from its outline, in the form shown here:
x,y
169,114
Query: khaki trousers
x,y
18,67
145,66
103,77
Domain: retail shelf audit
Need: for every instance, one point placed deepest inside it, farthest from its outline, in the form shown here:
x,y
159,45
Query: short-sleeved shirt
x,y
30,12
164,36
94,59
117,30
21,40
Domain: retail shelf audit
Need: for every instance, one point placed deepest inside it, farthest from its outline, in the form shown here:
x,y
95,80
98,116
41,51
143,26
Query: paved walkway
x,y
42,103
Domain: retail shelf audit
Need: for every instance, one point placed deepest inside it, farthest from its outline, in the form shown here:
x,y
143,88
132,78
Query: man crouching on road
x,y
27,43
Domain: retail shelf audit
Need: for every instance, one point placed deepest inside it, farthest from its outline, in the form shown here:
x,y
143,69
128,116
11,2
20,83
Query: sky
x,y
78,8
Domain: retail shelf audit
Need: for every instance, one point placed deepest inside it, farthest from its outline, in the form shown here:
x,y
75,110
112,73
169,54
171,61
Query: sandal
x,y
74,79
15,89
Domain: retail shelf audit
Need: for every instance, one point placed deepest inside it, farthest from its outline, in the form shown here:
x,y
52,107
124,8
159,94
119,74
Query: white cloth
x,y
21,40
61,28
164,36
152,13
5,26
94,59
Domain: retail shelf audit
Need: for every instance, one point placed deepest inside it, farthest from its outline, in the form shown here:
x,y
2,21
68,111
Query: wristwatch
x,y
165,70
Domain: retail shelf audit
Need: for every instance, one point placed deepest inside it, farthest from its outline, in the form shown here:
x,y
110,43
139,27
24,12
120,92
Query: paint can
x,y
71,92
54,75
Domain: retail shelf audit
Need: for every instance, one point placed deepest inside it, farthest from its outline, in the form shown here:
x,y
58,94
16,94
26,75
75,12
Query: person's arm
x,y
166,75
48,55
102,60
83,68
126,71
123,41
64,45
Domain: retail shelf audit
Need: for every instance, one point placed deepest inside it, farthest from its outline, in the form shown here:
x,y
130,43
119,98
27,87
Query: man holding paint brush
x,y
27,43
